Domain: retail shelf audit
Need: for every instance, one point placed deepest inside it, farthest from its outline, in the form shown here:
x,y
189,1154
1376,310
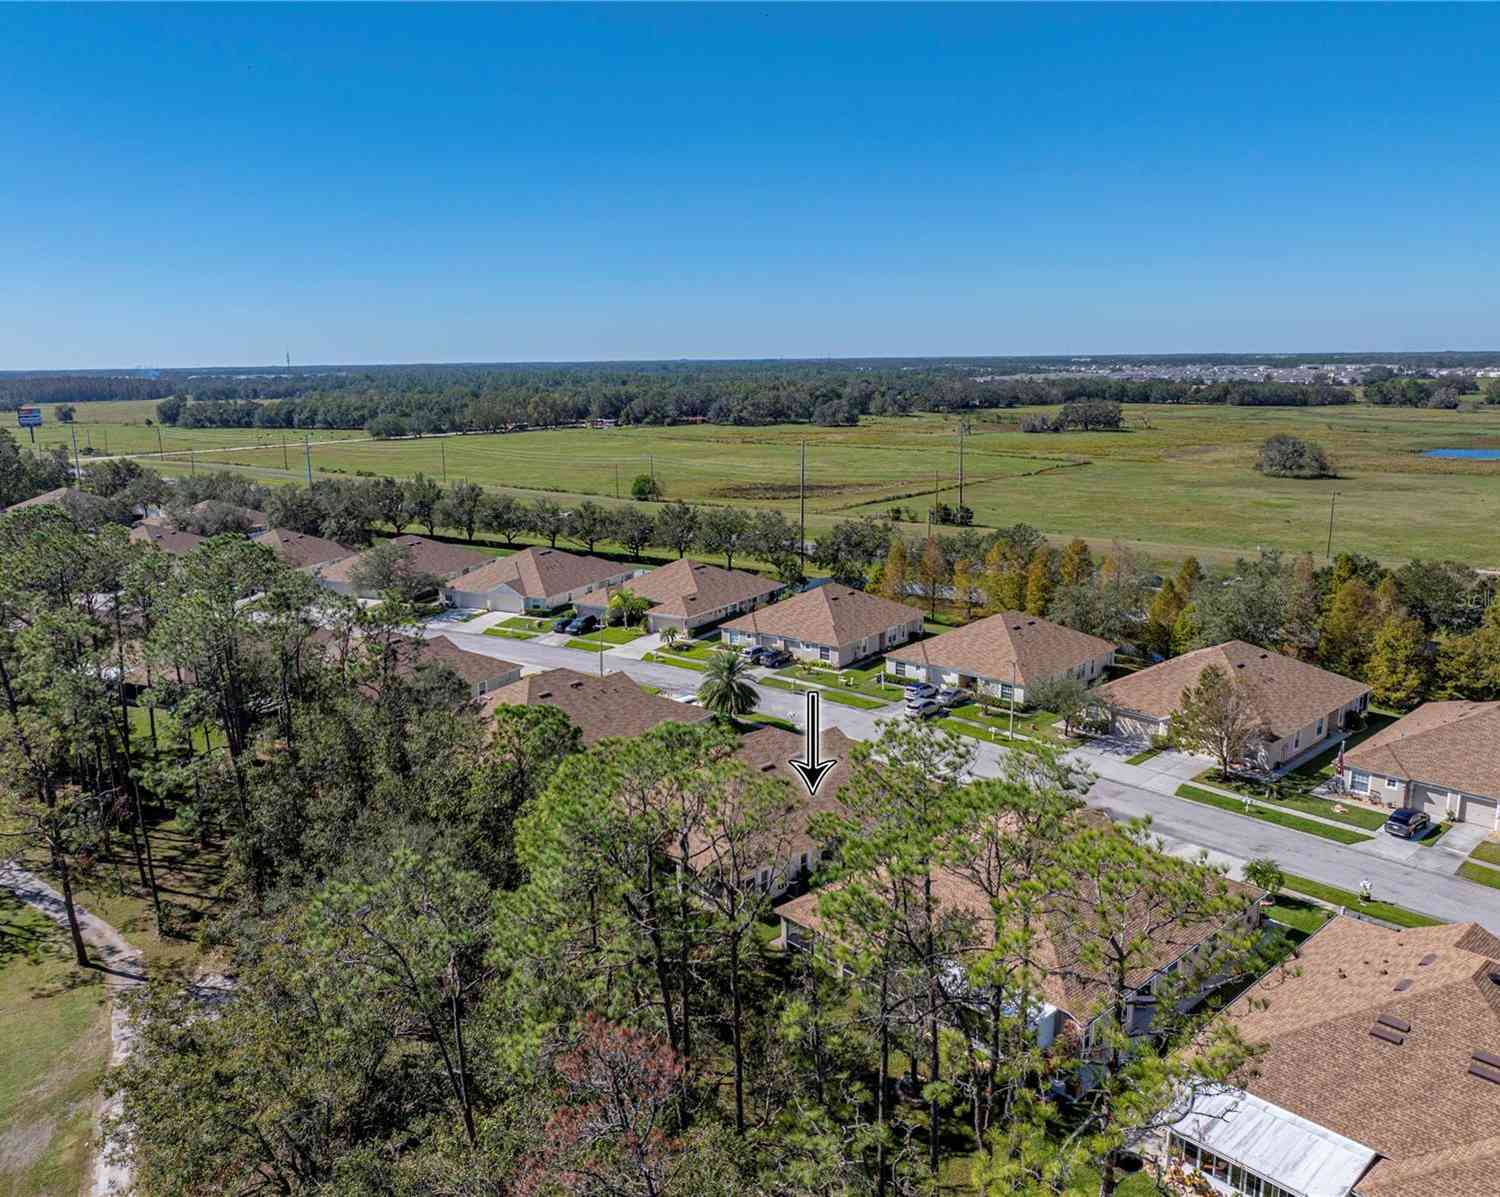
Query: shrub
x,y
1285,456
645,487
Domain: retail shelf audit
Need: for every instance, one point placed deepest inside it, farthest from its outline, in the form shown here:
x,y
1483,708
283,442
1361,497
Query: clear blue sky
x,y
199,185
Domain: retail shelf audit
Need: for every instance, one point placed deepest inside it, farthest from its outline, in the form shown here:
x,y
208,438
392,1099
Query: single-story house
x,y
1443,758
612,705
168,540
1299,706
535,580
768,751
1070,993
484,674
1378,1073
299,550
688,595
833,624
1002,655
213,511
48,498
443,561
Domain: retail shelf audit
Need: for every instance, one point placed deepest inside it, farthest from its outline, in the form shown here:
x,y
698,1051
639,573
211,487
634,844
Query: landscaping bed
x,y
1279,818
1385,911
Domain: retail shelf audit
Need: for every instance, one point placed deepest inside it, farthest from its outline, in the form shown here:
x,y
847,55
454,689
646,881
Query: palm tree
x,y
670,636
726,688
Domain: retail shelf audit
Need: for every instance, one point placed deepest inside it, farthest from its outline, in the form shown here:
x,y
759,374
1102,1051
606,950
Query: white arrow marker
x,y
808,766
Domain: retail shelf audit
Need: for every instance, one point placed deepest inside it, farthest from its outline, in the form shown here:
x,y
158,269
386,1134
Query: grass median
x,y
1280,818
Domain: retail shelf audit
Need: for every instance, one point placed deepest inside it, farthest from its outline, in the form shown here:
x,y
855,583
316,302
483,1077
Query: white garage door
x,y
1477,810
1434,802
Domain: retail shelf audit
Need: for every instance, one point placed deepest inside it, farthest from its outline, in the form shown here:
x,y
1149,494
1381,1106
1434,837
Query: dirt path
x,y
123,966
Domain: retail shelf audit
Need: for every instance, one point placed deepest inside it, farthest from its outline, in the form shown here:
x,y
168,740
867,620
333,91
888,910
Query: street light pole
x,y
1332,498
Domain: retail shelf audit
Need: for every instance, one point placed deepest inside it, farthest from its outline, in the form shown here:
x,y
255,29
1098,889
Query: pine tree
x,y
1397,670
1040,582
894,577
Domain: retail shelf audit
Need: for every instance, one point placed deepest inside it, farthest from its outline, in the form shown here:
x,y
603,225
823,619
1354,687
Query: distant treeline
x,y
416,403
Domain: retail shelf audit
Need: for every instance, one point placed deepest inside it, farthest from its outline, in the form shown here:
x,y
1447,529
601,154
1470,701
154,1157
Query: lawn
x,y
1299,915
1185,473
1320,768
606,637
1039,725
1435,833
1291,822
505,633
526,623
56,1045
853,681
1355,816
1386,911
680,662
1479,873
1141,758
843,697
1488,851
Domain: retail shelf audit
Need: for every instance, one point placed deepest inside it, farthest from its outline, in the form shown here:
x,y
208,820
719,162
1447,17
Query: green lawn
x,y
1435,834
1141,758
54,1023
1320,768
1301,916
526,623
609,637
1387,911
680,662
771,721
1291,822
1354,815
504,633
1480,873
853,681
1488,851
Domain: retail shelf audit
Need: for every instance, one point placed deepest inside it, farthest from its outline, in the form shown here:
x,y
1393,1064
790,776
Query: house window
x,y
1320,728
1359,783
898,668
825,654
1391,783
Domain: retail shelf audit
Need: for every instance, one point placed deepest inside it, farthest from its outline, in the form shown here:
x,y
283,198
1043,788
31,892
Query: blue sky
x,y
220,185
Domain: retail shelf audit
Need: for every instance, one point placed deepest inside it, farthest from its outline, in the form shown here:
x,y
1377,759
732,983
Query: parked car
x,y
584,623
561,625
755,654
920,690
1408,824
950,696
775,658
923,708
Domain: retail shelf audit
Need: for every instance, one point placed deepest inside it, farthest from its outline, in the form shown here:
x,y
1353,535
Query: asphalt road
x,y
1420,879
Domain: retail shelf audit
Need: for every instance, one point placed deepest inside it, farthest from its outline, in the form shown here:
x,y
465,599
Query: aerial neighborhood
x,y
881,600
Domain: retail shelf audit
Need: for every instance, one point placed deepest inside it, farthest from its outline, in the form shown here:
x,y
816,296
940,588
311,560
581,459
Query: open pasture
x,y
1180,480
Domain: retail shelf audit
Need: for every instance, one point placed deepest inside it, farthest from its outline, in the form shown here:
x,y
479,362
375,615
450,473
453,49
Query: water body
x,y
1467,454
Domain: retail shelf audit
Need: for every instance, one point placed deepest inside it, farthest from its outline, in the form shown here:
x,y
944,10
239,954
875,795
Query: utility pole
x,y
617,479
932,507
802,506
161,453
307,454
963,427
77,465
443,457
192,463
285,468
106,442
1331,500
651,465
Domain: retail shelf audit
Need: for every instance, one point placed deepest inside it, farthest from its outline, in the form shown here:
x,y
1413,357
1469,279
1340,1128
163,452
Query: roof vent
x,y
1430,958
545,694
1487,1058
1403,985
1485,1066
1396,1024
1388,1035
1495,977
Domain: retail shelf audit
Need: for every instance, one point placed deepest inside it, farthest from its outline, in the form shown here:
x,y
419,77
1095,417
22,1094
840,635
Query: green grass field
x,y
1291,822
1180,480
55,1022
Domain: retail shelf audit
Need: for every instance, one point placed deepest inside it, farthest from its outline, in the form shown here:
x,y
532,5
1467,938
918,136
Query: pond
x,y
1467,454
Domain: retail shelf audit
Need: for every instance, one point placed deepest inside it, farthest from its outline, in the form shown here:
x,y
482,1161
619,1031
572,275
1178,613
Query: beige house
x,y
833,624
1002,655
299,550
535,580
1377,1073
599,707
688,595
1443,758
1298,706
443,561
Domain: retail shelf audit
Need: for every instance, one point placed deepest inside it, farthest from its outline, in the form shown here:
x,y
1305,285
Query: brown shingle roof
x,y
474,668
443,561
1067,980
298,549
168,540
1286,694
54,496
537,573
831,615
1453,744
988,648
1436,1126
609,706
686,588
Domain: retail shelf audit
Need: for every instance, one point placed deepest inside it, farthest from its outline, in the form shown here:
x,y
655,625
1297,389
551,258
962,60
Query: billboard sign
x,y
29,417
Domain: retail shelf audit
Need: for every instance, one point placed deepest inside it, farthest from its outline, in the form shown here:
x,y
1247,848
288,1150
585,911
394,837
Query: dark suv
x,y
1408,824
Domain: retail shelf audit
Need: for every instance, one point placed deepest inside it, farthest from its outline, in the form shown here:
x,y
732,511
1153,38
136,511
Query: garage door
x,y
1478,810
1135,728
1434,802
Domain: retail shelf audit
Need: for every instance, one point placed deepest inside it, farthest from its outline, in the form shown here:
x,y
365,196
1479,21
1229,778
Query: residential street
x,y
1401,872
